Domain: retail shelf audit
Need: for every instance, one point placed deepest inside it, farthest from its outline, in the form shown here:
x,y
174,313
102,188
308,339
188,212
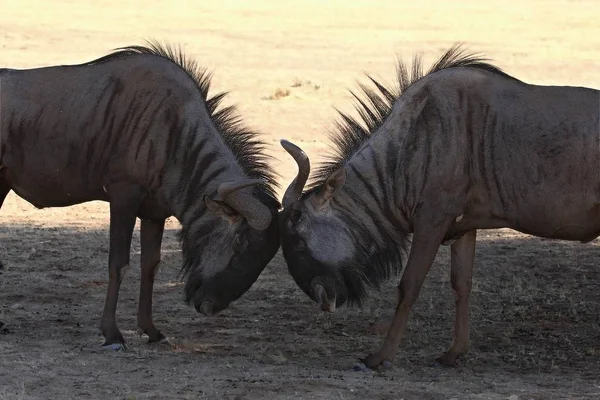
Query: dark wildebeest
x,y
464,147
136,128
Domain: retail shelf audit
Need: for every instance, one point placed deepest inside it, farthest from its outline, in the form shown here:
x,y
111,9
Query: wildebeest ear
x,y
331,186
221,209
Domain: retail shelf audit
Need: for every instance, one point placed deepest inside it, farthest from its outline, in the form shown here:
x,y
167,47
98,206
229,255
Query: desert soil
x,y
535,304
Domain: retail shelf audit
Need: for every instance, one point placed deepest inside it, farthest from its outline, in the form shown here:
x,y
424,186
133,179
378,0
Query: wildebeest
x,y
138,129
461,148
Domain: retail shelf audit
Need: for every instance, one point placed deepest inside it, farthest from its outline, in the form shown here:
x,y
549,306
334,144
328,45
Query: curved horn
x,y
227,188
325,302
294,191
256,213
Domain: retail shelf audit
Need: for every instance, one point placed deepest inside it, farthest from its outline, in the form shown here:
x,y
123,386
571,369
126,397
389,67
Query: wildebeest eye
x,y
299,244
237,244
295,216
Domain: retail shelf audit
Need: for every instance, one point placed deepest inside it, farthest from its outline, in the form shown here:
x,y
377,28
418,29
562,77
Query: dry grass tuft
x,y
279,94
306,83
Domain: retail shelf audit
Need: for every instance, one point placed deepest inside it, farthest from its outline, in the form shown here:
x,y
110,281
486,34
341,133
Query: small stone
x,y
114,347
361,367
387,365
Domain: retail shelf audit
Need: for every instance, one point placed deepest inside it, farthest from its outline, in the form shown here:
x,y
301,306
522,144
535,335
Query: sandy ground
x,y
536,303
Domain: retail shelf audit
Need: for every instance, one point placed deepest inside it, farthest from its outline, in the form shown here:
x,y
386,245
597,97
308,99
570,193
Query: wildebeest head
x,y
228,249
333,247
315,244
316,240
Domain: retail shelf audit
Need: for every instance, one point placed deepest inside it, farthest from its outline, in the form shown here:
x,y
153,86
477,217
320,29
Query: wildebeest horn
x,y
294,191
256,213
325,303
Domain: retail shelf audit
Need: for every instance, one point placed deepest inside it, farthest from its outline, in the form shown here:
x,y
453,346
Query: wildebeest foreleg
x,y
4,189
151,238
461,275
124,203
426,241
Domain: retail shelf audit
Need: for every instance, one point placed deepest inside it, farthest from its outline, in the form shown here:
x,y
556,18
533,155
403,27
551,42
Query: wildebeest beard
x,y
374,261
231,281
192,242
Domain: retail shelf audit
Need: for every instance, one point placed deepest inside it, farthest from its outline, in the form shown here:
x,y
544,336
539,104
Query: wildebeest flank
x,y
462,148
137,128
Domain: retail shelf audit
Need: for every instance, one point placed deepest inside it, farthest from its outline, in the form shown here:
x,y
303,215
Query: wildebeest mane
x,y
378,256
243,142
374,105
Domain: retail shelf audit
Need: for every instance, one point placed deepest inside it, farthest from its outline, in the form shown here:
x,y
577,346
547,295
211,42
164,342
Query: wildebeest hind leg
x,y
124,203
461,276
151,238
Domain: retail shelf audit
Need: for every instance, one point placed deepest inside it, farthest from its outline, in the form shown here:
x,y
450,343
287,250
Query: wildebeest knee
x,y
121,272
408,291
461,287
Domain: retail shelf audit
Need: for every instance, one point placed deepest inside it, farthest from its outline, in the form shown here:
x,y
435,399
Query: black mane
x,y
243,142
376,103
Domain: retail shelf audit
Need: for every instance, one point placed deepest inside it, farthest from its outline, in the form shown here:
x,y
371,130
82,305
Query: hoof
x,y
439,363
376,362
384,366
161,342
154,336
115,347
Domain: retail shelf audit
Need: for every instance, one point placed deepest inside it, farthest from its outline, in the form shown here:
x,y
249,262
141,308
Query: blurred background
x,y
287,64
